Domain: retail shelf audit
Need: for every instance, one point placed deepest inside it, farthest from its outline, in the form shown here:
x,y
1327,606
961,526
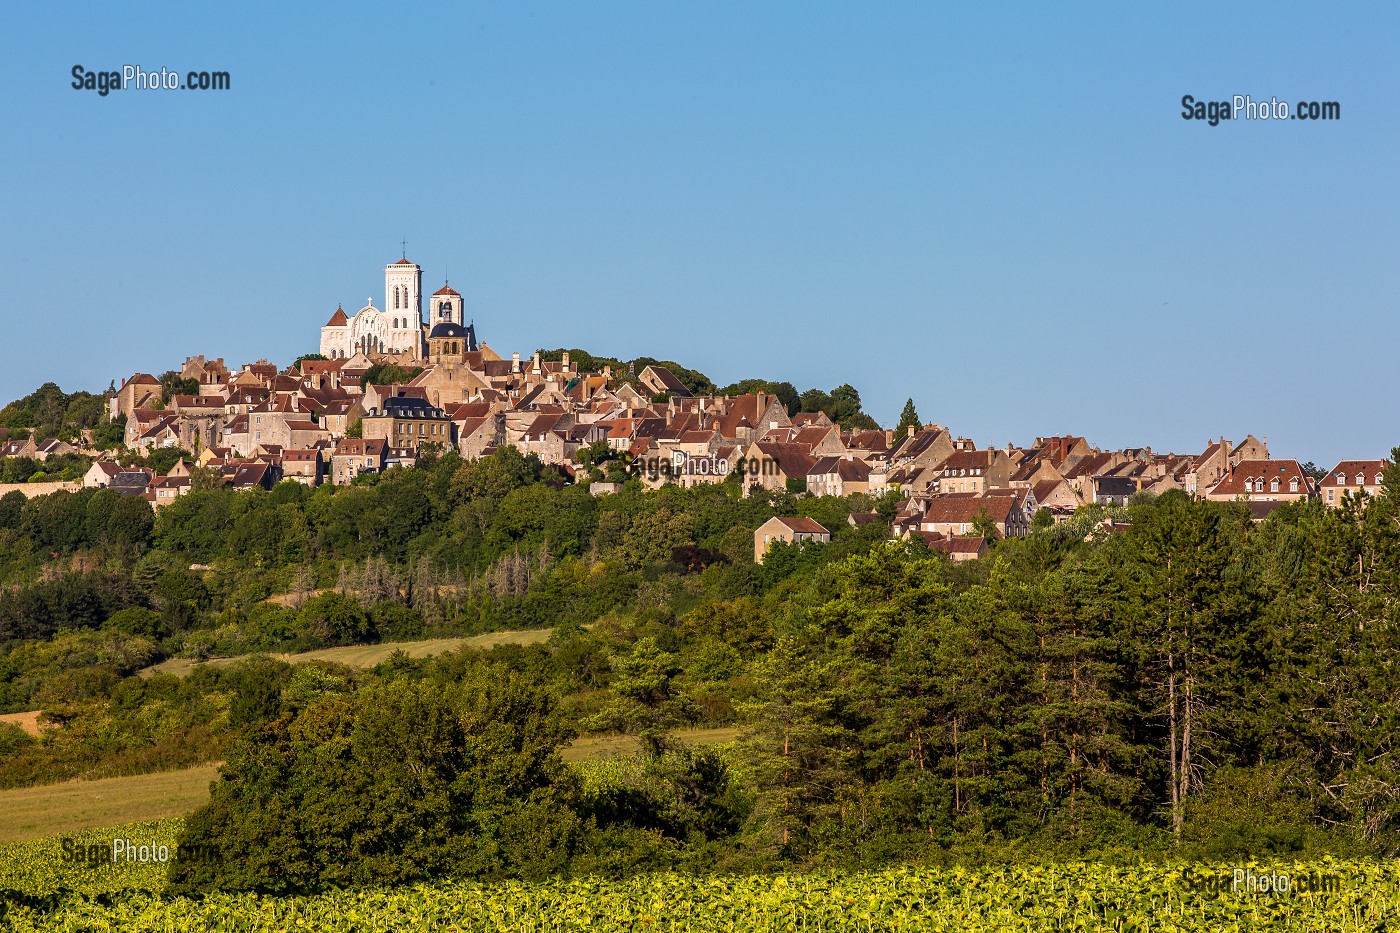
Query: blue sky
x,y
996,210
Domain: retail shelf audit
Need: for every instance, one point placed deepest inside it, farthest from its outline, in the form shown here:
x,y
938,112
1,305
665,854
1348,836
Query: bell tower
x,y
403,306
445,307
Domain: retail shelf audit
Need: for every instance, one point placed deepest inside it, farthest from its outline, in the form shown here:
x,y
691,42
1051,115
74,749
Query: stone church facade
x,y
397,328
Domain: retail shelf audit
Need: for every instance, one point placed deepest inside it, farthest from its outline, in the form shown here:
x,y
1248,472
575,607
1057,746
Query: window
x,y
1361,479
1293,485
1273,485
1331,495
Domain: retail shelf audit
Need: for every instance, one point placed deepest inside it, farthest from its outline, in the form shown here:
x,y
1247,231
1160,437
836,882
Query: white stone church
x,y
399,327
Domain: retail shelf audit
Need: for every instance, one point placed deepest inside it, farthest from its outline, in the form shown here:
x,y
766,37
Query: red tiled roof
x,y
446,290
959,545
1285,471
801,525
960,510
1347,470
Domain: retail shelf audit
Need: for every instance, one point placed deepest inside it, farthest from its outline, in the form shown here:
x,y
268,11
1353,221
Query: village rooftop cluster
x,y
258,425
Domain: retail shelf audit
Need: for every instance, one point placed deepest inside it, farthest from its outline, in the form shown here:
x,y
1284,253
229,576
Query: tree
x,y
356,429
172,384
785,391
649,703
1390,479
908,418
394,784
383,374
983,525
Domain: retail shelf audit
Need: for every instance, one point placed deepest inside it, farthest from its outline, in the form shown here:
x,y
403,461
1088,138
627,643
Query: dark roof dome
x,y
447,329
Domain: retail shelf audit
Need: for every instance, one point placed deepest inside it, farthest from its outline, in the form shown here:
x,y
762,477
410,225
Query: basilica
x,y
398,330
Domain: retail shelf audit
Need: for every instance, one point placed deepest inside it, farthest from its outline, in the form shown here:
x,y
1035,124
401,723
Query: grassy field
x,y
594,747
34,812
29,721
367,656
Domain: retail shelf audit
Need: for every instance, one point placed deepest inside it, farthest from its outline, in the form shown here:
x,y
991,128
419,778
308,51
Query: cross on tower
x,y
404,254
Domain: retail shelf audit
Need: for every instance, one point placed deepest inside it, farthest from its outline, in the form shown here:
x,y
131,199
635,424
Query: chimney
x,y
566,360
910,429
535,365
515,362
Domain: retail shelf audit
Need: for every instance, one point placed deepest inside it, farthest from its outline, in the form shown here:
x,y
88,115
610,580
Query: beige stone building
x,y
789,529
409,422
1352,476
1263,481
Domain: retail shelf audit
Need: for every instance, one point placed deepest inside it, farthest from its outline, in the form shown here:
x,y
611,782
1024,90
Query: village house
x,y
788,529
19,448
974,471
138,391
354,455
838,476
914,459
771,466
404,421
658,380
957,548
100,474
1263,481
958,515
1352,476
304,466
1114,490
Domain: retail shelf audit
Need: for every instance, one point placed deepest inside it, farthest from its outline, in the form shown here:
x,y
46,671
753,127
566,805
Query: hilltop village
x,y
323,420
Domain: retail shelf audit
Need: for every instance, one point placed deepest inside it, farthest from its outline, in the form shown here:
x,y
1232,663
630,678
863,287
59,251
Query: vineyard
x,y
48,888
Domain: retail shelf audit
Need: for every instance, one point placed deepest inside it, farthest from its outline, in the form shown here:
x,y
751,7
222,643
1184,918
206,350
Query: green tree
x,y
390,785
908,418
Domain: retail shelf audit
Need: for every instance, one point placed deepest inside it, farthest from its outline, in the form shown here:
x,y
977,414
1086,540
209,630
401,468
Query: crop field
x,y
46,887
33,812
367,656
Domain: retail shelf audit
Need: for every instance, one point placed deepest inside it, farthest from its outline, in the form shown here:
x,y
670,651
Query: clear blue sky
x,y
997,211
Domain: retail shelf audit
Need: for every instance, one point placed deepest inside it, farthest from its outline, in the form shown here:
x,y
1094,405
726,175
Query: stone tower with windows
x,y
403,306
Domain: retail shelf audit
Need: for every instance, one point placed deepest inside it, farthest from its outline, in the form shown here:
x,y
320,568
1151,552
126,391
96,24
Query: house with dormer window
x,y
1352,476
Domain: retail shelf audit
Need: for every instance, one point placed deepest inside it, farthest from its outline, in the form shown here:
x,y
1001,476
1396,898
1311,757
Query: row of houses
x,y
299,422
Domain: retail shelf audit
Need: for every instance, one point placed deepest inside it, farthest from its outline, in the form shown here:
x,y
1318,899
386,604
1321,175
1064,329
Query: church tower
x,y
445,307
403,306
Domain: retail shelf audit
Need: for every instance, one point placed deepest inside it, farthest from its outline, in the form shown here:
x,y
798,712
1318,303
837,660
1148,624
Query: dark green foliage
x,y
50,412
74,601
384,374
908,418
172,385
785,391
697,382
393,784
160,459
841,404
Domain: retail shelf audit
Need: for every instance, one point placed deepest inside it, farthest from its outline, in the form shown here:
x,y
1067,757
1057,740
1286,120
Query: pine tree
x,y
907,418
